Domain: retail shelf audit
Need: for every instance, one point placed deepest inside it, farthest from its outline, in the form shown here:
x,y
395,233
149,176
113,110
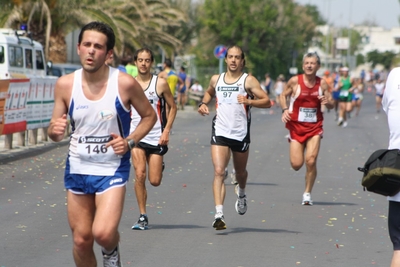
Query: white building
x,y
378,38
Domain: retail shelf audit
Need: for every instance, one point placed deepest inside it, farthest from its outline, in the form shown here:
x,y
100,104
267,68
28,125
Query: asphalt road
x,y
346,226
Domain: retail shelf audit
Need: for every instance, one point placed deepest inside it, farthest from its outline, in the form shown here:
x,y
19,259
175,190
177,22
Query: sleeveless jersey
x,y
92,123
232,120
159,106
379,88
305,107
346,85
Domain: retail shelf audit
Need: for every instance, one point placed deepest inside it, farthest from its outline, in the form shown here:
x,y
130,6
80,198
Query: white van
x,y
20,56
26,92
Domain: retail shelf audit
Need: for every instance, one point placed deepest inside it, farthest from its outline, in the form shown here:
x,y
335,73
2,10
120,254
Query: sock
x,y
219,209
106,252
241,191
233,171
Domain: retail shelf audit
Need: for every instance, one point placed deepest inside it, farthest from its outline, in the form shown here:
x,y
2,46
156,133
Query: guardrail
x,y
26,106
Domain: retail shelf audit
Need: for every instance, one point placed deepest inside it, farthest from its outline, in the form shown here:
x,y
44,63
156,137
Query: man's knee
x,y
83,243
311,162
140,176
296,166
155,181
219,172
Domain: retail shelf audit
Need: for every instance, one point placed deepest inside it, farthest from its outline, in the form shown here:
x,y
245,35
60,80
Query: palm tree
x,y
135,23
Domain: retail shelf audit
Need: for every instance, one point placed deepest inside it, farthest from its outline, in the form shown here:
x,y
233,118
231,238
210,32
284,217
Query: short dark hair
x,y
143,49
126,60
168,62
102,28
238,47
182,68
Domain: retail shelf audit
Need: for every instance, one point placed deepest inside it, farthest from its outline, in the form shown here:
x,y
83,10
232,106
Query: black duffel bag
x,y
382,172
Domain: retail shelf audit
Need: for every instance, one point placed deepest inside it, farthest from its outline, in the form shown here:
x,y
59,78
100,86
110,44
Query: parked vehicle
x,y
60,69
20,56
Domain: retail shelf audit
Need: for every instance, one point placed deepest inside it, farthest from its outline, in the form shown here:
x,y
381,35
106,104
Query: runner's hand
x,y
119,144
60,125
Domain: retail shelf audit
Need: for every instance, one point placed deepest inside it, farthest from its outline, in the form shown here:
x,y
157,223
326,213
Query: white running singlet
x,y
232,120
158,104
92,123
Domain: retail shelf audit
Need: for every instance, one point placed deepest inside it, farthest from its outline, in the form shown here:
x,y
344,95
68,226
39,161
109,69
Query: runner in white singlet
x,y
235,92
151,149
98,100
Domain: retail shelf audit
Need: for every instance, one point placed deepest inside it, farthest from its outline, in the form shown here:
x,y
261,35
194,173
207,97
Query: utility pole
x,y
327,34
349,35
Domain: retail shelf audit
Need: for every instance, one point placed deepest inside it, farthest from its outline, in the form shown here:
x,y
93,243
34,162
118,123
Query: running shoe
x,y
340,122
112,260
241,202
233,177
142,223
307,199
219,222
344,125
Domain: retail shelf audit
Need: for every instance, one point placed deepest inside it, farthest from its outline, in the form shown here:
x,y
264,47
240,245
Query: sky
x,y
342,13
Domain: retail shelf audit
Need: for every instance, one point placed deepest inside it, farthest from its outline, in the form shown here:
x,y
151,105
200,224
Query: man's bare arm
x,y
58,123
261,98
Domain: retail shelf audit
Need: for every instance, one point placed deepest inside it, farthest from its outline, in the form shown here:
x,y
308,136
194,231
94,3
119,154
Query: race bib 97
x,y
228,94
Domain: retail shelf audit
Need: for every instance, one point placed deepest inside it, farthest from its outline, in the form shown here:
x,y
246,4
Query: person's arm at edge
x,y
208,95
58,123
287,91
327,99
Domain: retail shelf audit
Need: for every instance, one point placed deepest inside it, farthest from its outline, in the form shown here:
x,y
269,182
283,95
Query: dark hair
x,y
102,28
182,68
238,47
312,54
168,62
126,60
143,49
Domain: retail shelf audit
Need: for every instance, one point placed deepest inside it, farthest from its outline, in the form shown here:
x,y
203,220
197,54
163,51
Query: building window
x,y
397,40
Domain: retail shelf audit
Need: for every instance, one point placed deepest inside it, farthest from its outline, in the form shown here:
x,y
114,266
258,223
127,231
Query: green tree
x,y
135,23
385,58
271,32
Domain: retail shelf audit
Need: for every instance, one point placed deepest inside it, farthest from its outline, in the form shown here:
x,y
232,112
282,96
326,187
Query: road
x,y
346,226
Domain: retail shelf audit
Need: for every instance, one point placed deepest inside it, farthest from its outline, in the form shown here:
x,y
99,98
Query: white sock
x,y
219,209
241,191
106,251
233,171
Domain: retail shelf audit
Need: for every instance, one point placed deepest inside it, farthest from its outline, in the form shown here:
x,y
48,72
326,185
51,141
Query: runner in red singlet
x,y
303,118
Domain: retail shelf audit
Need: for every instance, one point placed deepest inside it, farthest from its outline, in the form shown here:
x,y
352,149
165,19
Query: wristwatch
x,y
202,103
131,143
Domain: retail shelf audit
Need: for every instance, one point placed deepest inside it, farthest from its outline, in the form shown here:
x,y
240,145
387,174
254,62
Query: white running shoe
x,y
344,125
241,202
112,260
307,199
